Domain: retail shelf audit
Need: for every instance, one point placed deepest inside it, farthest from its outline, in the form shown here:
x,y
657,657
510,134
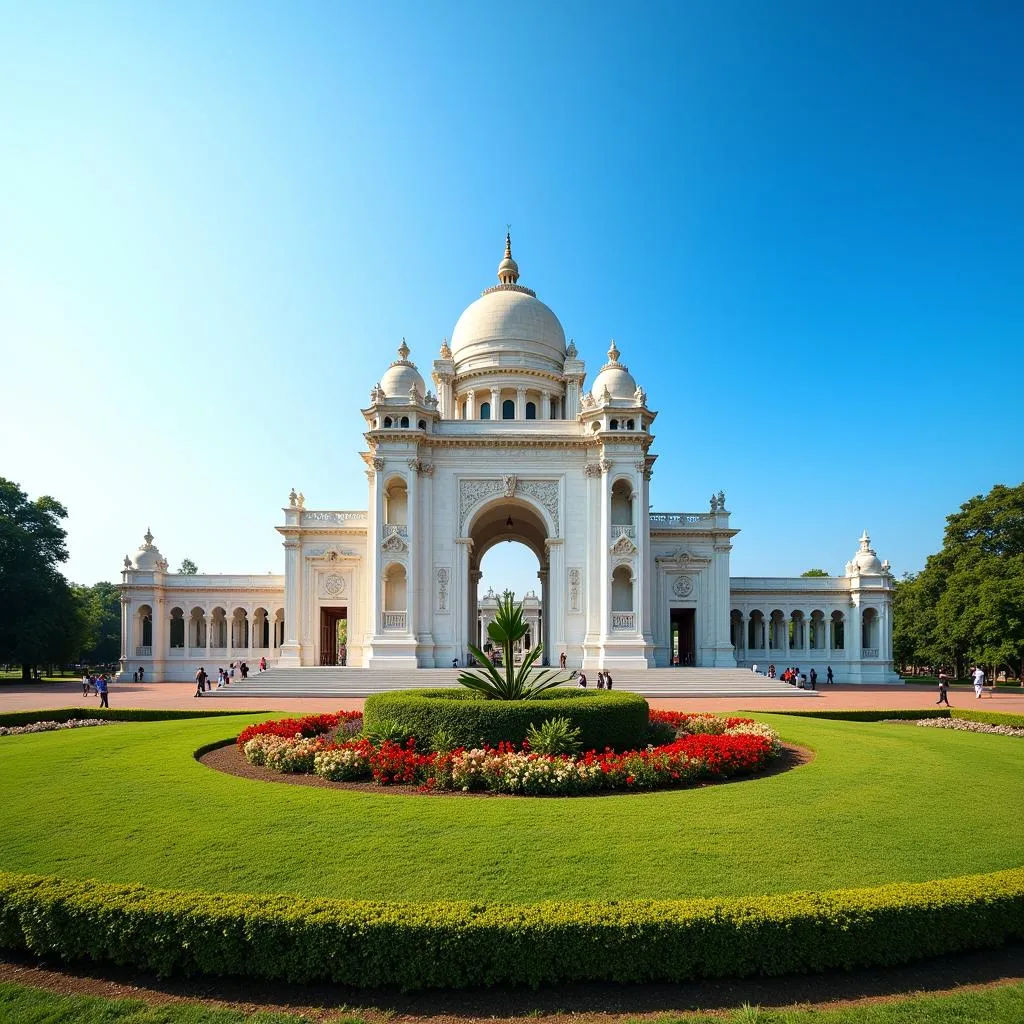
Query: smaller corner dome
x,y
866,561
401,376
148,556
615,377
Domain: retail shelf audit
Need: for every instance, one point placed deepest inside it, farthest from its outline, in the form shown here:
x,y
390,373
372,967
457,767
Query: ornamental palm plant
x,y
509,683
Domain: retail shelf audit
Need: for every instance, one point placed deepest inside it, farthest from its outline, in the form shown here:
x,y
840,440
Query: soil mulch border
x,y
230,760
595,1003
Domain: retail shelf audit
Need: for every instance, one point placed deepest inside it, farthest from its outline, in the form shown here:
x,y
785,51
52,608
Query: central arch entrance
x,y
503,520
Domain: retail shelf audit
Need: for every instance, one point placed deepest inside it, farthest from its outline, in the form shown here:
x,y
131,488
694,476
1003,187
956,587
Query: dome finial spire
x,y
508,269
403,351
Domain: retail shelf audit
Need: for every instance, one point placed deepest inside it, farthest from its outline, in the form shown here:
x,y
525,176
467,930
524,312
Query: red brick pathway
x,y
18,697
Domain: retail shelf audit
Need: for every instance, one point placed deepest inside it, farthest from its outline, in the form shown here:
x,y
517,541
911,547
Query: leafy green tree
x,y
40,620
814,572
101,608
510,683
967,604
188,567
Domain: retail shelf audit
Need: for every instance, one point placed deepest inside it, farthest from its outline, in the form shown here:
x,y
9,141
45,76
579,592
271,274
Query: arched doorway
x,y
501,521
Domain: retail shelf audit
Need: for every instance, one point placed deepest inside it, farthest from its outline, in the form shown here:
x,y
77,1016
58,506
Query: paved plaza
x,y
20,697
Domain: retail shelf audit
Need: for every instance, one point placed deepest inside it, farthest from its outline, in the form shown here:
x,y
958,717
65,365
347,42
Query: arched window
x,y
387,421
485,410
463,410
423,424
631,425
614,425
177,631
405,421
531,411
508,409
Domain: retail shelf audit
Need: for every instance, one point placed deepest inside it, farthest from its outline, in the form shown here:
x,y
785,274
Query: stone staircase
x,y
361,682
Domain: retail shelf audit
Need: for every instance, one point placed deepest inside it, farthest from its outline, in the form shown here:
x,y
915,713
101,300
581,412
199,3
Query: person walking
x,y
607,679
814,679
943,689
101,689
200,681
600,679
978,676
263,664
142,674
828,675
85,684
581,680
561,660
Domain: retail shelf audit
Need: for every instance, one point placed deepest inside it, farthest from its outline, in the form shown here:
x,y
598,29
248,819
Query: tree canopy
x,y
967,604
40,620
188,567
814,572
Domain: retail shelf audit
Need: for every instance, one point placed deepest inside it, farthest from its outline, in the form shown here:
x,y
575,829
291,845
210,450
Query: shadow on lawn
x,y
594,1000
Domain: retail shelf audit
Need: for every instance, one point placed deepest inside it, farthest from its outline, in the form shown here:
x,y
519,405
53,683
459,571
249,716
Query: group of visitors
x,y
99,684
977,680
225,676
795,677
604,679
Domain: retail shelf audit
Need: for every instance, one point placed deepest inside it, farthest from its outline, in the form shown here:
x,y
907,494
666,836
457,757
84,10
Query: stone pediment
x,y
624,546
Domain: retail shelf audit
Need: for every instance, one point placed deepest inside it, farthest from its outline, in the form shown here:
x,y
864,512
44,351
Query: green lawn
x,y
128,803
1000,1005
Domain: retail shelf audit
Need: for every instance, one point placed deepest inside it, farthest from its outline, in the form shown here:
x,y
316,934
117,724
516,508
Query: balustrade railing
x,y
623,531
143,651
624,620
869,652
394,620
679,518
395,530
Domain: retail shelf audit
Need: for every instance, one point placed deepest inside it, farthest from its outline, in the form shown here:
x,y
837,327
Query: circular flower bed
x,y
697,748
963,725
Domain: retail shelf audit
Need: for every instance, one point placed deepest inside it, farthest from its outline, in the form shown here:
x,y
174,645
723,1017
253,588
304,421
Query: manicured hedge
x,y
112,715
912,714
459,944
617,719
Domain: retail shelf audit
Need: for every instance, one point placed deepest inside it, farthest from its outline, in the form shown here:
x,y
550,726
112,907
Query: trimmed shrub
x,y
617,719
461,944
115,715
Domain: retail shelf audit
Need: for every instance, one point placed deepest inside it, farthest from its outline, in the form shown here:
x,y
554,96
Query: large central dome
x,y
508,326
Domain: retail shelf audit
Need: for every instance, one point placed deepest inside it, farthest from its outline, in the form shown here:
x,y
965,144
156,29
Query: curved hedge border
x,y
459,944
616,719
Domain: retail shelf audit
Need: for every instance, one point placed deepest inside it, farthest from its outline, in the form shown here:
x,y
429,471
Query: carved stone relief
x,y
624,546
575,585
443,578
332,584
544,492
394,543
682,586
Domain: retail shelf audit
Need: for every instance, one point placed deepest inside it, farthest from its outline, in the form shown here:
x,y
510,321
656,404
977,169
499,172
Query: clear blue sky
x,y
801,222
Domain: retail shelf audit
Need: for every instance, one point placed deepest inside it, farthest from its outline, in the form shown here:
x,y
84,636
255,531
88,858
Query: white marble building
x,y
510,446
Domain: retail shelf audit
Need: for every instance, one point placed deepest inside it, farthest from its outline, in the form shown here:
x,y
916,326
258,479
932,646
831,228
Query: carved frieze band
x,y
543,492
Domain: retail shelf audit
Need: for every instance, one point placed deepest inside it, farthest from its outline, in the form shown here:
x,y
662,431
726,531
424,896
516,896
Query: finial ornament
x,y
865,542
127,562
148,537
403,351
721,501
571,350
508,269
300,501
292,498
613,352
446,352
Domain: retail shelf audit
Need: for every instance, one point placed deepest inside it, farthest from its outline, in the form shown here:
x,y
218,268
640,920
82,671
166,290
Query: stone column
x,y
161,632
412,603
545,620
545,406
127,643
495,403
291,654
605,533
520,403
470,405
556,568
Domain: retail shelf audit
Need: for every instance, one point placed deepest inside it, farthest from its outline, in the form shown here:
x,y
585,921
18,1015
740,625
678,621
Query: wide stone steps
x,y
361,682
